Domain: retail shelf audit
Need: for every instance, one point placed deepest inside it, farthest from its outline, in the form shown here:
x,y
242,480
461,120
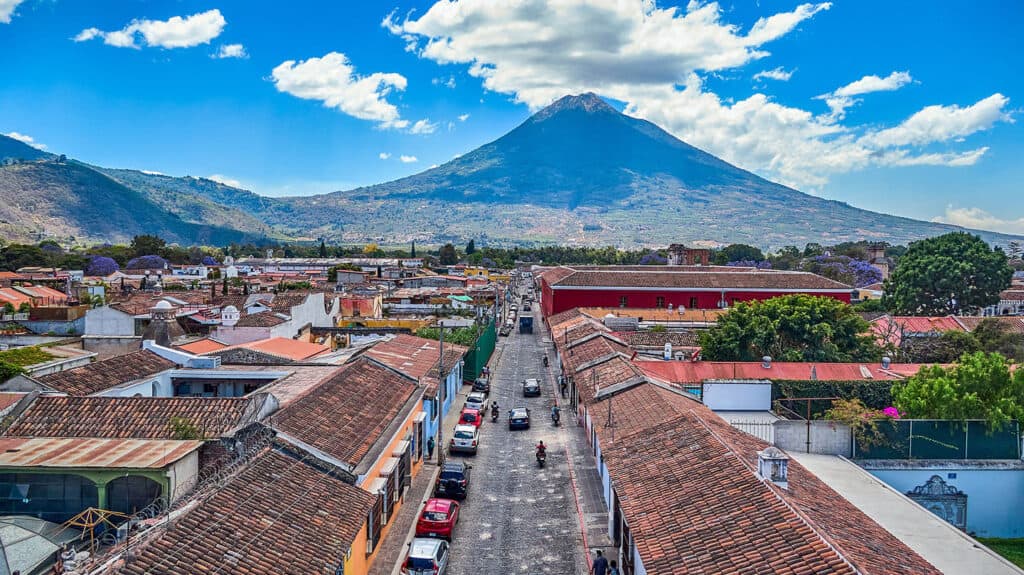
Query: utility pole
x,y
442,382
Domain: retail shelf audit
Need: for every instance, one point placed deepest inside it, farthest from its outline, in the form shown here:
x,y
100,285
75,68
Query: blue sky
x,y
905,107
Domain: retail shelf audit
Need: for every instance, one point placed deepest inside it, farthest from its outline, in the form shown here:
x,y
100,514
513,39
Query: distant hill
x,y
71,201
578,172
11,149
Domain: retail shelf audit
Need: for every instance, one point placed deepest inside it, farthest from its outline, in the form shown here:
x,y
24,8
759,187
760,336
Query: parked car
x,y
478,401
453,480
438,519
531,387
483,385
526,307
465,439
426,557
519,418
470,417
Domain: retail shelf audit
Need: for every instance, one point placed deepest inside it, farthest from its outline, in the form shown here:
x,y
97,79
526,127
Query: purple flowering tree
x,y
761,265
150,262
857,273
101,266
209,261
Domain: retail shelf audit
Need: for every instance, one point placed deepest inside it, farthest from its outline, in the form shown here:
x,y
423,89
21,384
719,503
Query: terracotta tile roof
x,y
653,339
564,316
276,516
878,286
417,357
346,414
603,375
132,417
284,347
283,303
693,277
587,351
695,372
666,315
261,319
1012,324
9,398
202,346
737,523
1012,295
105,374
892,328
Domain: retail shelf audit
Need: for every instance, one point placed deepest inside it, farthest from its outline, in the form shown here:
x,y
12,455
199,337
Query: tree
x,y
788,258
9,370
150,262
323,249
737,252
790,328
947,274
979,387
413,251
1015,250
470,247
994,336
370,248
845,269
24,307
945,347
147,244
101,266
448,255
17,256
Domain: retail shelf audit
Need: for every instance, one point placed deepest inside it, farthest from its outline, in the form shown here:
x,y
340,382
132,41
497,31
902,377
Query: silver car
x,y
477,400
426,557
465,439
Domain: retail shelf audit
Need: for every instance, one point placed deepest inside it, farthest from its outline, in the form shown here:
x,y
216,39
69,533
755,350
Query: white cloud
x,y
774,74
333,81
449,83
943,123
408,159
979,219
652,59
176,32
423,127
222,179
463,117
384,155
842,98
26,139
153,173
231,51
7,10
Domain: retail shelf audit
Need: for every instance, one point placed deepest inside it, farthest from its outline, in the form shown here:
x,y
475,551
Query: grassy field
x,y
1012,549
24,356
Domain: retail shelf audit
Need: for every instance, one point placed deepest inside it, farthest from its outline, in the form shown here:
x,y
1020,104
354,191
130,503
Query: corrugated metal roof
x,y
93,453
696,372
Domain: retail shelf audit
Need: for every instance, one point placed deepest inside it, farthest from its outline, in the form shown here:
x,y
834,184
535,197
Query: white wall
x,y
106,320
995,497
737,396
183,475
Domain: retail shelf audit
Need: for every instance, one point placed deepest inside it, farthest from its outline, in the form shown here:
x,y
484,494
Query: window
x,y
693,303
622,301
659,302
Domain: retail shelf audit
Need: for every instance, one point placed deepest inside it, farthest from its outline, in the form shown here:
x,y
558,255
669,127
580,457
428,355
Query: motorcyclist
x,y
545,360
494,411
555,413
541,449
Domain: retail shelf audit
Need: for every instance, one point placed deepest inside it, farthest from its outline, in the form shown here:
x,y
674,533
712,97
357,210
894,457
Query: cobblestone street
x,y
519,518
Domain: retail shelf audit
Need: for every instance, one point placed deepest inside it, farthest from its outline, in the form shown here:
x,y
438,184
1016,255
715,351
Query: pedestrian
x,y
430,448
562,384
600,565
614,569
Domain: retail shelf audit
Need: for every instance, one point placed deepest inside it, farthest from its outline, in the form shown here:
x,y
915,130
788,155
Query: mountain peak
x,y
588,102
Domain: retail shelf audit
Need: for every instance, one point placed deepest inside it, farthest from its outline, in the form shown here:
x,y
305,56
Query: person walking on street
x,y
614,569
600,565
430,448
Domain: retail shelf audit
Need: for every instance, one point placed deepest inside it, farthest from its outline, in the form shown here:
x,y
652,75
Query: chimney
x,y
886,361
773,465
766,362
668,351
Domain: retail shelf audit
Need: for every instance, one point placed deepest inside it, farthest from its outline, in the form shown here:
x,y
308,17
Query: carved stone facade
x,y
942,499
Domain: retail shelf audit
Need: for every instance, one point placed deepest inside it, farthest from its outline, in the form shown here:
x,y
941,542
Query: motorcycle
x,y
556,417
545,361
494,415
541,458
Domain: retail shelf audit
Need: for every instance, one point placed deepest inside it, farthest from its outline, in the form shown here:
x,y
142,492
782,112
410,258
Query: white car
x,y
465,439
426,557
477,400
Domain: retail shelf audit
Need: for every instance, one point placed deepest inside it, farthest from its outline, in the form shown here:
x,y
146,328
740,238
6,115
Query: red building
x,y
692,287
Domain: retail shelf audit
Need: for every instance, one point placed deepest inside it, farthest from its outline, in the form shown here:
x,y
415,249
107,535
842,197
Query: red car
x,y
470,417
438,519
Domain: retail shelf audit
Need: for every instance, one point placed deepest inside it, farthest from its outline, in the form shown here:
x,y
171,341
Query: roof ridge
x,y
775,491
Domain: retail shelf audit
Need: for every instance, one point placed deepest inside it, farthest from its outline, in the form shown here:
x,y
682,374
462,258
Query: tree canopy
x,y
448,255
737,252
979,387
790,328
147,244
947,274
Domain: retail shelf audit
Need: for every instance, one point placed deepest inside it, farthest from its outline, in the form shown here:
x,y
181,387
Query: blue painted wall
x,y
994,497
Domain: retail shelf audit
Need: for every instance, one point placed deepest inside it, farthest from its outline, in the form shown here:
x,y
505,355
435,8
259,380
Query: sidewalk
x,y
395,545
